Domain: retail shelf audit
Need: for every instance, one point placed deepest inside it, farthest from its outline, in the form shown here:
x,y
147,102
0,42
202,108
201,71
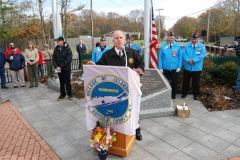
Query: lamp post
x,y
159,22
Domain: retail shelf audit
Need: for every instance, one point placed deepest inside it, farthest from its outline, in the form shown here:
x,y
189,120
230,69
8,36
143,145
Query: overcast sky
x,y
172,9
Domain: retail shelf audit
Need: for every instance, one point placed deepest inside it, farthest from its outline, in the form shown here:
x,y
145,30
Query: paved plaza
x,y
60,127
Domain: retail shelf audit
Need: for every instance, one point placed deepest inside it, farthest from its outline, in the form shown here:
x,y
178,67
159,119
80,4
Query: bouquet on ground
x,y
102,135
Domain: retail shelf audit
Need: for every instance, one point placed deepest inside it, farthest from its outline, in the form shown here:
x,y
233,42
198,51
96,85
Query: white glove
x,y
178,70
161,70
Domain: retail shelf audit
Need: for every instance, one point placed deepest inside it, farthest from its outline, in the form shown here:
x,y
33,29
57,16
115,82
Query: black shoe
x,y
183,96
138,134
173,97
36,85
23,85
70,97
5,87
60,98
31,86
15,86
195,97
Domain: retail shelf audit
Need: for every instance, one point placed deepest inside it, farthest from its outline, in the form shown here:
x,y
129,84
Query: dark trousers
x,y
64,79
80,61
2,75
33,73
172,74
195,82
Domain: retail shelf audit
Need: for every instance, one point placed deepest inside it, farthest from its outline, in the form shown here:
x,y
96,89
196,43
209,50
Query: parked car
x,y
185,40
179,39
201,40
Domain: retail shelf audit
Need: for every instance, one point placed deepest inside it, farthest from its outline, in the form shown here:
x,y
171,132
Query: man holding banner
x,y
121,56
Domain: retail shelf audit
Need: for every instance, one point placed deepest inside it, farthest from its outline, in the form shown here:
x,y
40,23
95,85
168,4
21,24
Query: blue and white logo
x,y
109,94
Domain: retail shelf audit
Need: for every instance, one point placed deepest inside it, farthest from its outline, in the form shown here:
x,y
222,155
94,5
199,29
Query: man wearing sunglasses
x,y
9,49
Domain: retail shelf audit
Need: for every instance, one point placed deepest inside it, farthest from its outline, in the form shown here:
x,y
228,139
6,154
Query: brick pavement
x,y
18,139
233,158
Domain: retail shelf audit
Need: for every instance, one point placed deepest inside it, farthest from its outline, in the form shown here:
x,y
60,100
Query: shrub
x,y
225,74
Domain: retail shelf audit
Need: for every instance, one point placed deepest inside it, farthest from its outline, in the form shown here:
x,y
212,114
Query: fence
x,y
74,66
223,59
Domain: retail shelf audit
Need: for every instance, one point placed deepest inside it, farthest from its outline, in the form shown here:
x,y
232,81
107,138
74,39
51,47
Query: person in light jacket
x,y
99,51
129,43
193,56
31,56
170,61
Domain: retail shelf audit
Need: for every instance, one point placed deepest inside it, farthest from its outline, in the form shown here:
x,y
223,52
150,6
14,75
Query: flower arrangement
x,y
102,136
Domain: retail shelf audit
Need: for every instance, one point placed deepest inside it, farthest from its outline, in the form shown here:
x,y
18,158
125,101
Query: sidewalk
x,y
61,124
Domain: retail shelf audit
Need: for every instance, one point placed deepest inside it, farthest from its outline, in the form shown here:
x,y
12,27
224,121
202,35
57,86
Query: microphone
x,y
123,49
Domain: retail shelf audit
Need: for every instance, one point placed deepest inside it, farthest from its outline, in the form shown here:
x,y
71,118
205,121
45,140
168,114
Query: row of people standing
x,y
34,59
170,63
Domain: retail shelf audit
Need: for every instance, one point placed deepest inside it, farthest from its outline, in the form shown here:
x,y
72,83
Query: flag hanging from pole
x,y
153,42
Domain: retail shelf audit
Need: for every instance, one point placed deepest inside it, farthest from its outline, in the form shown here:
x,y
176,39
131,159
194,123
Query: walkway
x,y
61,124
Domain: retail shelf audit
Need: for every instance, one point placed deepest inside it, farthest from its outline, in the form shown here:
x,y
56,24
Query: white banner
x,y
114,91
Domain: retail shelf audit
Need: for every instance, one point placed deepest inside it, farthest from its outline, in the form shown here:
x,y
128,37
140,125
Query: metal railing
x,y
74,66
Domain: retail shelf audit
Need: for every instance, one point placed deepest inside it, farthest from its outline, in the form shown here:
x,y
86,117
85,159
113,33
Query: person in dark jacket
x,y
81,49
237,51
2,69
16,62
116,57
61,59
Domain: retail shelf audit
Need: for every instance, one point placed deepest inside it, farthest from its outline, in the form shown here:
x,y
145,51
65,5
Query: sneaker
x,y
15,86
5,87
36,85
70,97
23,85
60,98
31,86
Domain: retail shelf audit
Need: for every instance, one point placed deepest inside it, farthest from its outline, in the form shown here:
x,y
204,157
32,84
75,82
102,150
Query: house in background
x,y
135,35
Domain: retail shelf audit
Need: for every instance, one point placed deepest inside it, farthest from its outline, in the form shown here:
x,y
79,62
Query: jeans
x,y
2,75
238,79
40,69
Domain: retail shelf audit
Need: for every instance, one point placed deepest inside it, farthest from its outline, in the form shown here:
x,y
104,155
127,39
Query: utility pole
x,y
208,25
92,25
159,26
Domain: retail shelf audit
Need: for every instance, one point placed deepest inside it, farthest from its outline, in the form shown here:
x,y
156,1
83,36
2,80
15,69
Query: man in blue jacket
x,y
81,49
2,69
193,55
98,51
132,44
170,61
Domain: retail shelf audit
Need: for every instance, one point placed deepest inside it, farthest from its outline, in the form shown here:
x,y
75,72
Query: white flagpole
x,y
59,24
54,18
147,16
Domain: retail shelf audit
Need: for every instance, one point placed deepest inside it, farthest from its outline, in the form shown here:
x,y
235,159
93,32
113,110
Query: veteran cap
x,y
195,34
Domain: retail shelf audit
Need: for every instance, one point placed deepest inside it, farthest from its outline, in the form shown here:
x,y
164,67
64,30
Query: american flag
x,y
153,42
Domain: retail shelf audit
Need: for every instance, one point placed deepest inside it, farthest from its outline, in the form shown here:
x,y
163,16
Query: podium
x,y
114,90
123,145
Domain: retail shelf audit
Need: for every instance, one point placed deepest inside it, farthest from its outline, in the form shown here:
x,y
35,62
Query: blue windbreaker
x,y
197,54
2,58
97,53
170,58
136,47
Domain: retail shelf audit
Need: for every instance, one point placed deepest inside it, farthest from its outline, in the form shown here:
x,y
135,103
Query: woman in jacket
x,y
31,56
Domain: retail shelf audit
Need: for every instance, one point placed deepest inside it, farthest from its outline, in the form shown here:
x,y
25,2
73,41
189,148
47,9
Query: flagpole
x,y
54,18
147,15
